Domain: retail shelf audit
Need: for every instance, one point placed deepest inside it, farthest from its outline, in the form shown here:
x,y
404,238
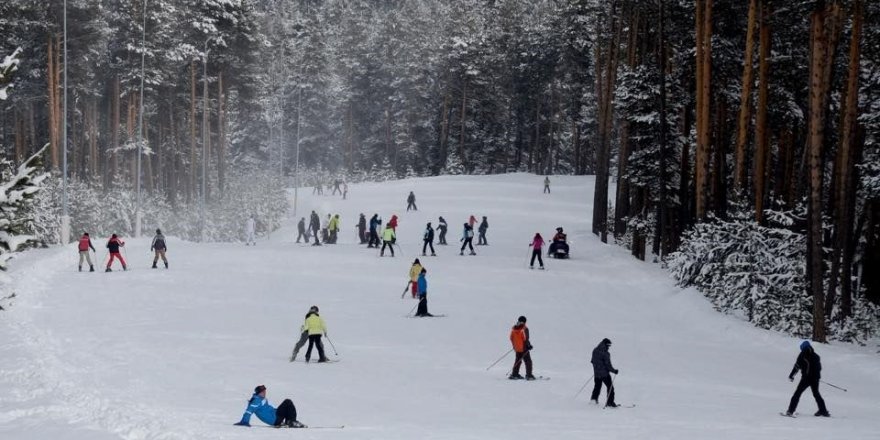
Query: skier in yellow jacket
x,y
414,272
316,328
388,238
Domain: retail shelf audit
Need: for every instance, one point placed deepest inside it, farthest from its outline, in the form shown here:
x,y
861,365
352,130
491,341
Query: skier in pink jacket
x,y
537,244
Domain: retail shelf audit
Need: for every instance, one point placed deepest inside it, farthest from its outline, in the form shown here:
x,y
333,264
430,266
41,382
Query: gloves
x,y
243,424
529,347
616,371
791,378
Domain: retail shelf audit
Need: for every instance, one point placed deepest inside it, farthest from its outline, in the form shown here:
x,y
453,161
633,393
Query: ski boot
x,y
433,254
108,270
296,424
91,268
166,265
473,253
515,376
821,413
530,377
594,401
125,268
80,268
461,253
154,266
611,405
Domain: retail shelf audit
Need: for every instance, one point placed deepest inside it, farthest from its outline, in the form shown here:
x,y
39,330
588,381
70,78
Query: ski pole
x,y
331,344
834,386
583,387
413,309
499,359
399,249
408,284
610,390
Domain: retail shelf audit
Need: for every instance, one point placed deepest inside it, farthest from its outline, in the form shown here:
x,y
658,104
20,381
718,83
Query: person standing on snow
x,y
422,310
810,366
429,240
303,335
602,370
414,272
333,229
159,247
113,246
85,243
442,227
393,224
250,227
344,190
467,239
315,326
484,226
362,229
375,222
284,415
388,239
315,225
537,244
472,221
325,230
411,202
519,337
301,230
546,184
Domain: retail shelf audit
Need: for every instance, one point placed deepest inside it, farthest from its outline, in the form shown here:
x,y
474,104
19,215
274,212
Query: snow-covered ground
x,y
156,354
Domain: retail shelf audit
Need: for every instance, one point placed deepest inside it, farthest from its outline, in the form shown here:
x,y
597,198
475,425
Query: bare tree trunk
x,y
742,134
221,136
762,147
463,114
52,88
444,132
606,87
191,191
704,81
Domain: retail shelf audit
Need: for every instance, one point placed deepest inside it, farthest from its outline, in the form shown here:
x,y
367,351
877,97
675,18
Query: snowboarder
x,y
546,184
303,335
85,243
411,202
484,226
810,366
301,230
333,229
388,239
375,222
602,370
314,225
442,227
159,247
315,326
362,228
467,239
519,337
429,240
113,246
537,244
414,272
423,295
284,415
250,227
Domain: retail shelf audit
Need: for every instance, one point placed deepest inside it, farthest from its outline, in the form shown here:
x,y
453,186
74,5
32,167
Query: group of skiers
x,y
114,246
329,230
339,187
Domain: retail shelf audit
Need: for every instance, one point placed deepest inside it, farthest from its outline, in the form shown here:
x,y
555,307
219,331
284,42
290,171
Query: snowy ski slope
x,y
156,354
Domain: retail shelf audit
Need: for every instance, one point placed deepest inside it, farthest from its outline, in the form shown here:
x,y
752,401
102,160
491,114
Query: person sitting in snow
x,y
284,415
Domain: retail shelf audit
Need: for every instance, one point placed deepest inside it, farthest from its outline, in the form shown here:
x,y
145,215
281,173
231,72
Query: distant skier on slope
x,y
158,246
536,245
467,239
414,272
810,366
325,230
333,229
546,184
411,202
316,327
301,231
602,370
442,227
303,335
519,337
113,246
428,238
315,225
250,227
472,221
375,222
388,238
85,243
362,228
484,226
284,415
423,294
393,224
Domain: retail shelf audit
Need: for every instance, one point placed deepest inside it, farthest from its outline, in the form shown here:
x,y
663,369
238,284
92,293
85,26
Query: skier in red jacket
x,y
85,243
113,246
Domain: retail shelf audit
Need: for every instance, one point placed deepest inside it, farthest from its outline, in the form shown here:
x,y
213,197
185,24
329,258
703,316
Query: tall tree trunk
x,y
607,81
191,191
762,144
463,126
221,136
52,88
745,104
444,132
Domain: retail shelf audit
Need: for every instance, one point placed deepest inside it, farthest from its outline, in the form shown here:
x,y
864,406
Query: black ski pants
x,y
423,306
315,234
362,235
411,206
523,356
536,253
813,385
597,388
426,245
390,246
302,235
315,340
285,414
374,239
468,242
481,241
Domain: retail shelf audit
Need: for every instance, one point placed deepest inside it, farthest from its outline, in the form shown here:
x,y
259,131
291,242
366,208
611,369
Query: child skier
x,y
519,337
414,272
159,247
388,239
602,370
315,326
810,366
85,243
429,240
537,244
284,415
467,239
422,310
113,246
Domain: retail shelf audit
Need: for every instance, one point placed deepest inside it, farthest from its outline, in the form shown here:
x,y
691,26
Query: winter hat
x,y
158,231
86,234
112,235
259,389
559,229
417,261
313,308
606,341
805,345
521,319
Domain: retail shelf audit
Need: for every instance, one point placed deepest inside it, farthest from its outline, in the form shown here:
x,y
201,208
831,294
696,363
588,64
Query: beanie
x,y
259,389
805,345
521,319
606,341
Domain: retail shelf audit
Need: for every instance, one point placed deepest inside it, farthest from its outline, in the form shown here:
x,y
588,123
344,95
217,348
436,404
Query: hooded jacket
x,y
601,361
388,234
423,285
809,364
261,407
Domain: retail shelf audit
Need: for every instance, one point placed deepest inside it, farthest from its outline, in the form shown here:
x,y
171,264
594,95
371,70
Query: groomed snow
x,y
156,354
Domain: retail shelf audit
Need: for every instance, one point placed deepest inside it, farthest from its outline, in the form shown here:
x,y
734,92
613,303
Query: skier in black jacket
x,y
411,202
429,240
811,368
484,226
441,228
362,229
315,226
602,370
301,230
375,222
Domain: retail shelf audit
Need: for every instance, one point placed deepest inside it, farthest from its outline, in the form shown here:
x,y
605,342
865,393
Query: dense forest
x,y
736,141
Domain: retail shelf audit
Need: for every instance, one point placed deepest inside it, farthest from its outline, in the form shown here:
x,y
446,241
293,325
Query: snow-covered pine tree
x,y
453,166
17,191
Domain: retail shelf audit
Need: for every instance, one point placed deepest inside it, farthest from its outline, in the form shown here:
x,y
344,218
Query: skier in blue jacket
x,y
284,415
423,295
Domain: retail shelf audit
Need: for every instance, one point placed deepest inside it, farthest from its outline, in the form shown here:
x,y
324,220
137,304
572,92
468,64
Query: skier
x,y
325,230
393,224
301,230
602,370
303,335
314,225
472,221
429,240
159,247
336,188
344,190
315,326
85,243
484,226
362,228
284,415
810,366
536,245
411,202
375,222
441,226
519,337
388,239
113,246
467,239
414,272
250,227
423,295
546,184
333,229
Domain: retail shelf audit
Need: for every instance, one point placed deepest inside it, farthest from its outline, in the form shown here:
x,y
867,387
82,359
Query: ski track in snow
x,y
156,354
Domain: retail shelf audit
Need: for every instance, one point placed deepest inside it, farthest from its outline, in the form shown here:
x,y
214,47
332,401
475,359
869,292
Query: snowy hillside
x,y
156,354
